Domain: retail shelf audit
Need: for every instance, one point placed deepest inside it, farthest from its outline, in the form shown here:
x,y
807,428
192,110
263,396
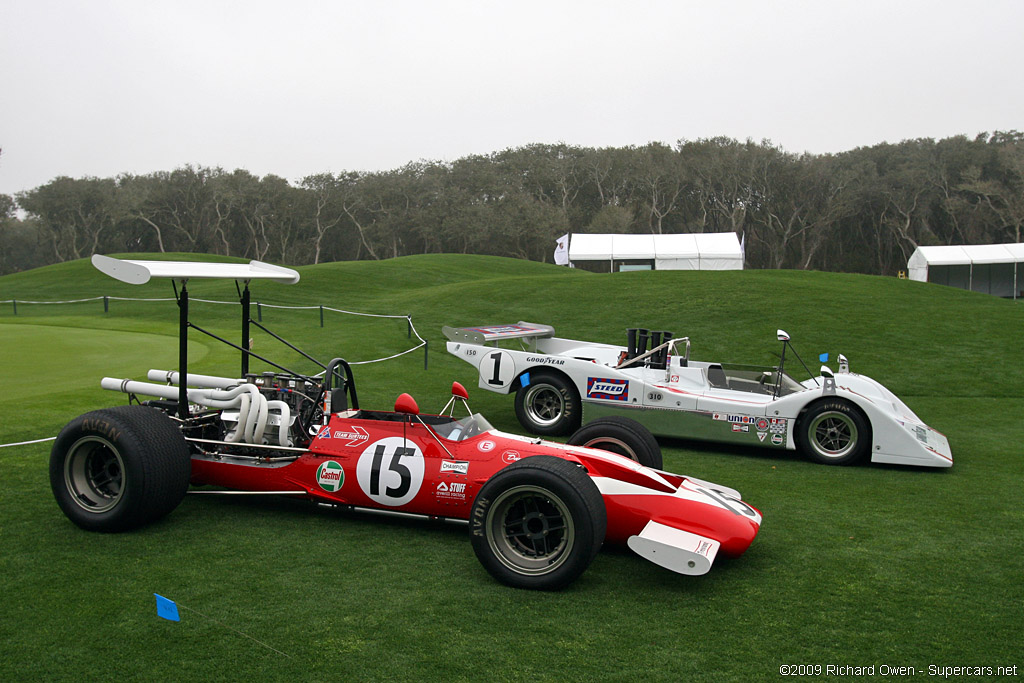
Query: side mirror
x,y
844,365
459,391
782,335
406,404
826,371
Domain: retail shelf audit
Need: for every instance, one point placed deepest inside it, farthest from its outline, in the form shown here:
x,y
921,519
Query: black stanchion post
x,y
246,303
259,312
321,315
183,352
106,304
15,302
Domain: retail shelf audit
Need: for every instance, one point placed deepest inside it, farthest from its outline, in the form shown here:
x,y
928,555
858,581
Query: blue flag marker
x,y
166,608
524,379
823,358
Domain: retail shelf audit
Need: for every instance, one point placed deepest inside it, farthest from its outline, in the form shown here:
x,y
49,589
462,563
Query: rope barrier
x,y
26,443
412,328
408,318
69,301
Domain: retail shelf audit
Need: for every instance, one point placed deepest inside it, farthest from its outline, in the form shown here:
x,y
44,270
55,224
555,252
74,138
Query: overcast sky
x,y
102,87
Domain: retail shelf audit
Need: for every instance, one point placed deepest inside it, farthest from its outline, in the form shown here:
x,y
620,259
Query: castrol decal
x,y
330,476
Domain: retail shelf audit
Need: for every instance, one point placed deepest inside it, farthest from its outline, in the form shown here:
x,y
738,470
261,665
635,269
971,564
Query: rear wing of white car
x,y
496,333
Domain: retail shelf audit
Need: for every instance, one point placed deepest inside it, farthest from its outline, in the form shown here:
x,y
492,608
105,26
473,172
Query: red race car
x,y
538,511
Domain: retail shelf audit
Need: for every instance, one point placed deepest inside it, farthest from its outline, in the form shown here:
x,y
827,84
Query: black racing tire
x,y
620,435
834,432
120,468
538,523
548,405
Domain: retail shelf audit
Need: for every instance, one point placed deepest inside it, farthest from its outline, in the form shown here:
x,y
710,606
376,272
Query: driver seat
x,y
717,378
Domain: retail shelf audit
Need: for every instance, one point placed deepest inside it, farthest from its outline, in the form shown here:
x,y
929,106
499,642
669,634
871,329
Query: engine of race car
x,y
272,409
267,409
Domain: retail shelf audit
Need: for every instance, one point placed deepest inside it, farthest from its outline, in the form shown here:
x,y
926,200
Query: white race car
x,y
835,418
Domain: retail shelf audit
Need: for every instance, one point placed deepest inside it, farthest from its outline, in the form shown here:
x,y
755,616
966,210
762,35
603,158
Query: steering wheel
x,y
471,430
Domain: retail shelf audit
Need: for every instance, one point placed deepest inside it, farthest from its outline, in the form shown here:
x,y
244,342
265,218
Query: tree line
x,y
864,210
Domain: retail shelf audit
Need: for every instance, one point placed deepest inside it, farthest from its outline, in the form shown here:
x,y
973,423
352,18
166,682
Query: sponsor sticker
x,y
761,424
736,419
486,446
330,476
606,389
777,439
510,456
740,428
761,436
459,467
702,548
500,329
354,435
451,491
545,360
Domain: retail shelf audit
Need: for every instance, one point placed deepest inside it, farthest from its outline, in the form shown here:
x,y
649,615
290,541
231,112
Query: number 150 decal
x,y
390,471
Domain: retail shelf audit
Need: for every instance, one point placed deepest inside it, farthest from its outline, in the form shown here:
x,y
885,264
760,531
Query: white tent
x,y
678,252
690,251
988,268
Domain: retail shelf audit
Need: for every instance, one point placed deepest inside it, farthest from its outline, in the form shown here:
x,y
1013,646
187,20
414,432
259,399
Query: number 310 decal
x,y
390,471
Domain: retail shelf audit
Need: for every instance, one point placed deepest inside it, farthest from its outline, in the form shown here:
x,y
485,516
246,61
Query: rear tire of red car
x,y
538,523
548,404
620,435
833,432
120,468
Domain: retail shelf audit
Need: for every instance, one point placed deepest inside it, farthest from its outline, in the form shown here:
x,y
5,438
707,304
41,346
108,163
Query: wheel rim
x,y
94,474
530,530
832,434
544,404
606,443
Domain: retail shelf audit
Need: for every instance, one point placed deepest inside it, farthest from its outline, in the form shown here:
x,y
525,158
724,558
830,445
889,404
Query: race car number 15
x,y
390,471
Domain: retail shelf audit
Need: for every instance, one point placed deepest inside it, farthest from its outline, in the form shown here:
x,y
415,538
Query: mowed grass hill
x,y
864,566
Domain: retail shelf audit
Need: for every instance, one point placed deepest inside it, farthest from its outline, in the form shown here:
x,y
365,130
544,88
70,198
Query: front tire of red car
x,y
538,523
120,468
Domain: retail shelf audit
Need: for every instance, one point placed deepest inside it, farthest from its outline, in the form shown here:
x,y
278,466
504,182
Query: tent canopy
x,y
681,251
988,268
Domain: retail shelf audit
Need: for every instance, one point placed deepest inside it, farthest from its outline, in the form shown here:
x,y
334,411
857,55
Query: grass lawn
x,y
861,566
